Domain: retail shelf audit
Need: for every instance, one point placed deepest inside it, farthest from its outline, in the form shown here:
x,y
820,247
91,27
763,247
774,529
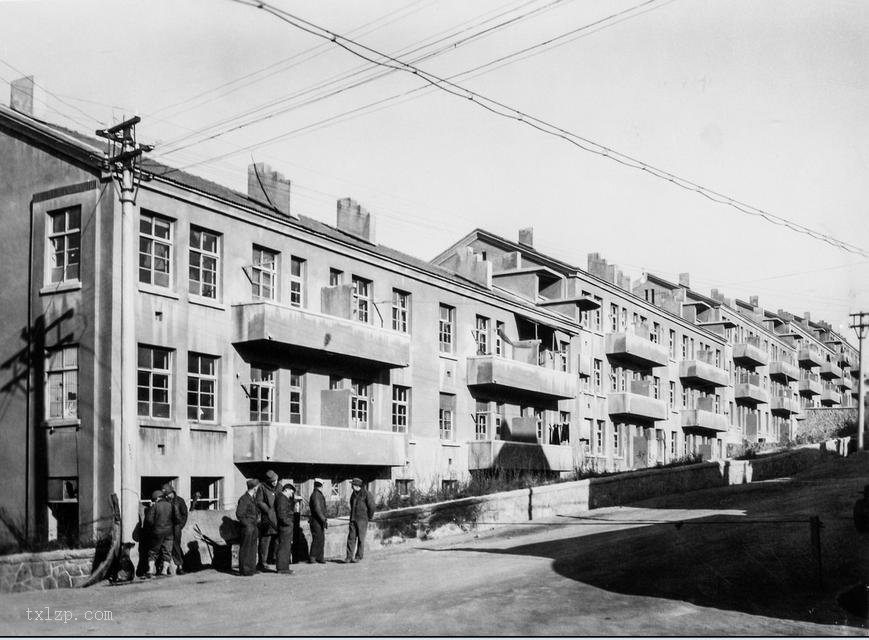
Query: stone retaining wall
x,y
46,570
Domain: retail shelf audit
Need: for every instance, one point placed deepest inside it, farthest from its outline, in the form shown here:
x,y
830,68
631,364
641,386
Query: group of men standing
x,y
161,524
266,513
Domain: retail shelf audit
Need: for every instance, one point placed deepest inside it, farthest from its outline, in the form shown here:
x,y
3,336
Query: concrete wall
x,y
42,571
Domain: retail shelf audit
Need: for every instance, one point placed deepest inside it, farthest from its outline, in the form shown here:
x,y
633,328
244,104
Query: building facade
x,y
266,340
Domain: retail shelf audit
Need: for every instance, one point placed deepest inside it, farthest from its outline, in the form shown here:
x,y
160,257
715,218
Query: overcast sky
x,y
762,100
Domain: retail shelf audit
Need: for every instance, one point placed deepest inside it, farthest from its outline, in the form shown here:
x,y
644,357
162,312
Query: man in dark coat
x,y
318,523
268,523
361,511
246,513
285,505
160,521
180,507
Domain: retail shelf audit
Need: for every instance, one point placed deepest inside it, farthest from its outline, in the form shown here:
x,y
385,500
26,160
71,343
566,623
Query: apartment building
x,y
268,340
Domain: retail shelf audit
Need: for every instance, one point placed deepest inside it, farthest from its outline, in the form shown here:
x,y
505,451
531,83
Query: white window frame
x,y
297,396
360,404
203,256
264,273
446,328
64,243
446,419
261,393
197,385
400,311
61,374
153,373
481,421
362,299
400,408
297,281
481,335
148,252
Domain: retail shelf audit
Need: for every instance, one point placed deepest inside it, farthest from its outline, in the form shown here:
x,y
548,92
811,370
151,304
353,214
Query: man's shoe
x,y
349,561
321,562
180,572
358,560
311,561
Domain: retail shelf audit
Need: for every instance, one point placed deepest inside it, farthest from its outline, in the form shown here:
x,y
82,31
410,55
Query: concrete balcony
x,y
511,376
810,386
830,370
318,337
636,404
844,383
751,353
784,405
748,390
704,373
809,357
830,397
501,454
703,419
636,347
312,445
783,370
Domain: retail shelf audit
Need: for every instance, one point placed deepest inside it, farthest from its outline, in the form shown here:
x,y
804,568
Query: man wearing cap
x,y
160,521
285,504
179,507
246,514
361,511
268,522
317,522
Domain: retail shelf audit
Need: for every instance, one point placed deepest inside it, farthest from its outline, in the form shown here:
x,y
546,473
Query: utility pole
x,y
860,324
121,163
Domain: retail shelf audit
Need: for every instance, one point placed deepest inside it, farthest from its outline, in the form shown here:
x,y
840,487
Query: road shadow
x,y
739,563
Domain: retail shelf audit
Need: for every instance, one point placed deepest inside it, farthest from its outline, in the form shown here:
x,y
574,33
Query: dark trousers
x,y
267,548
285,547
247,550
177,551
318,540
356,538
160,548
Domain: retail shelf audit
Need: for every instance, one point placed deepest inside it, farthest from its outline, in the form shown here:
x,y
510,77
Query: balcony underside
x,y
702,420
634,406
501,454
784,406
745,353
313,445
630,348
786,371
699,373
809,388
747,393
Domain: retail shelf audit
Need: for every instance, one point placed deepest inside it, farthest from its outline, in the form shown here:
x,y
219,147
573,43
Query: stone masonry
x,y
47,570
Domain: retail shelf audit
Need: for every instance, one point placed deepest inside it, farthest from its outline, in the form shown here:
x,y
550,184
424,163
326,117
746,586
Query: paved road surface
x,y
581,576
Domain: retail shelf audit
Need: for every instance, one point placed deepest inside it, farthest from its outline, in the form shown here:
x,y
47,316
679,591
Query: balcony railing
x,y
844,383
809,357
830,370
810,384
636,403
748,389
784,404
501,454
703,419
636,346
317,336
783,370
830,396
506,375
314,445
750,351
703,370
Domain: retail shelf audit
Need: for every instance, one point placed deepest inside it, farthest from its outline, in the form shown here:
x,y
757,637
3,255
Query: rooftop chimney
x,y
21,95
526,236
754,301
715,294
355,220
269,187
685,280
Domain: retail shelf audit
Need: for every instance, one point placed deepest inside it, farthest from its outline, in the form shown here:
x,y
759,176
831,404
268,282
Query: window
x,y
64,244
449,487
539,420
684,398
445,416
499,419
614,318
296,396
204,263
560,433
671,401
598,438
655,335
564,355
361,299
656,387
499,340
335,277
481,421
201,387
718,357
446,328
624,318
598,314
206,493
297,282
262,394
336,382
400,310
264,273
673,444
672,343
481,335
684,347
153,382
598,381
359,404
155,250
616,441
61,368
583,318
404,487
400,408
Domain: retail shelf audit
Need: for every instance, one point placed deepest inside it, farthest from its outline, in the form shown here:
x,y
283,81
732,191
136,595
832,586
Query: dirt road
x,y
626,571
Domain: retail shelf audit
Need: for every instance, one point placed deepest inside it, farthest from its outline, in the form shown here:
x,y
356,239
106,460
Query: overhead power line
x,y
498,108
